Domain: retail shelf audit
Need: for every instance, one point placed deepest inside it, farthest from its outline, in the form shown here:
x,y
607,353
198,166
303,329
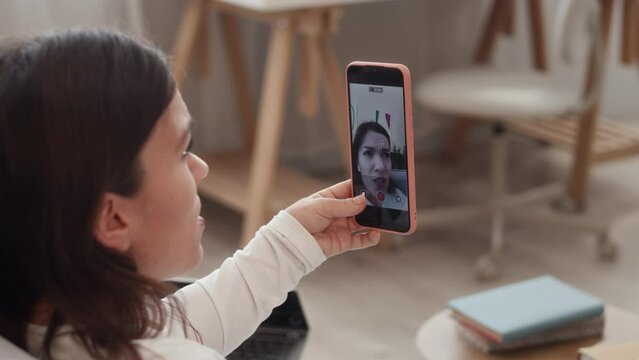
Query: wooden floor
x,y
369,304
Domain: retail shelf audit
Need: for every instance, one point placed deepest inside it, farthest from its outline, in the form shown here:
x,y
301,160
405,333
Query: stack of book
x,y
538,311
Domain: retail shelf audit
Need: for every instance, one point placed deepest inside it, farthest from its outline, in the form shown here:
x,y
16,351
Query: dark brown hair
x,y
75,110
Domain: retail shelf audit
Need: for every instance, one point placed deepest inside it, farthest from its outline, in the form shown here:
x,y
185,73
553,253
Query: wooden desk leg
x,y
187,34
236,62
508,18
309,29
606,20
269,128
628,51
309,83
335,90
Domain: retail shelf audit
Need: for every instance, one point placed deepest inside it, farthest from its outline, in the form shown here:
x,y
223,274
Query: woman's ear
x,y
112,227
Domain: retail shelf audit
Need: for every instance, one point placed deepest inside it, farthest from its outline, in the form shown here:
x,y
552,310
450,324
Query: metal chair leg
x,y
488,266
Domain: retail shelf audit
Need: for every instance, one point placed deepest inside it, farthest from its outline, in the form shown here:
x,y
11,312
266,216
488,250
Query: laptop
x,y
280,337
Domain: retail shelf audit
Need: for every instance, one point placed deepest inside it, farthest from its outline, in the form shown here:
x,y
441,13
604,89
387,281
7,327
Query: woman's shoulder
x,y
168,348
163,347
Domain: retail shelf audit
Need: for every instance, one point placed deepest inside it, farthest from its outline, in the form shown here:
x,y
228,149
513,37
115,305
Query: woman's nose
x,y
199,168
378,163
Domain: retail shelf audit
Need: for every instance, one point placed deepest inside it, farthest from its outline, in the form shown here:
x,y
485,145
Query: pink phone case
x,y
408,109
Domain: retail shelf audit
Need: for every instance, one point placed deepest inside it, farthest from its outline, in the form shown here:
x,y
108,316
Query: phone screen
x,y
378,145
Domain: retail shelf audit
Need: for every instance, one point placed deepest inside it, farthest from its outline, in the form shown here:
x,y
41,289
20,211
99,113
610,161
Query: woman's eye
x,y
188,148
367,153
386,154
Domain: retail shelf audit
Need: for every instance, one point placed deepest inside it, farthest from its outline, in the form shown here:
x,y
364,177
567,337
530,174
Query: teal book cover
x,y
517,310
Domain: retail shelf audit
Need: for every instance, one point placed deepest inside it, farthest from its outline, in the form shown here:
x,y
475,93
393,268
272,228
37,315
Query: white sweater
x,y
226,306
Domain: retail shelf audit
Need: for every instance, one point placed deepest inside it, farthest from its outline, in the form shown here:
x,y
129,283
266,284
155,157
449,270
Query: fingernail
x,y
360,198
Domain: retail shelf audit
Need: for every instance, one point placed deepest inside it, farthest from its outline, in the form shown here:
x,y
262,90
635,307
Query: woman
x,y
372,159
98,205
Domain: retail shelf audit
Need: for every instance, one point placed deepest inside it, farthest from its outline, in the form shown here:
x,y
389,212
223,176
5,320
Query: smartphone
x,y
381,133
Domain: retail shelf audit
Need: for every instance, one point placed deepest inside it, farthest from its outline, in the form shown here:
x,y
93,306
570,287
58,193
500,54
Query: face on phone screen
x,y
378,136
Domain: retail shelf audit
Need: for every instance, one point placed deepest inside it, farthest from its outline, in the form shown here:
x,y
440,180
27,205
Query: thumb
x,y
341,208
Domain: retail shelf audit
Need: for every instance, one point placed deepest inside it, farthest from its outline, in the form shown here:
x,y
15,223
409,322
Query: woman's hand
x,y
328,216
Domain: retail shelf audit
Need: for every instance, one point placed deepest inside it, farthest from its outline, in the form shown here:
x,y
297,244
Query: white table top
x,y
437,339
280,5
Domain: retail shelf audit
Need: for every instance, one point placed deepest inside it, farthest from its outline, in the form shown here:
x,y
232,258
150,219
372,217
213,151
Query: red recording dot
x,y
380,196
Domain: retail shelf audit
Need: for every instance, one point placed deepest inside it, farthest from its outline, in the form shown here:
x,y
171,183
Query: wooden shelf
x,y
612,139
228,181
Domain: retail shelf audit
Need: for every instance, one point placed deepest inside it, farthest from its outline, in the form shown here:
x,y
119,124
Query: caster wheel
x,y
608,250
487,267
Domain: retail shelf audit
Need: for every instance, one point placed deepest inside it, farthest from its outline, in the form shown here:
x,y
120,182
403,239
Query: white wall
x,y
426,35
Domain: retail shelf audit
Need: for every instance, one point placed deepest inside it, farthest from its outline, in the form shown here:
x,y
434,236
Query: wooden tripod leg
x,y
269,128
186,37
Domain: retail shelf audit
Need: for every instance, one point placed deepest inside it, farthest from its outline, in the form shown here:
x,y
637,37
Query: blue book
x,y
529,307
